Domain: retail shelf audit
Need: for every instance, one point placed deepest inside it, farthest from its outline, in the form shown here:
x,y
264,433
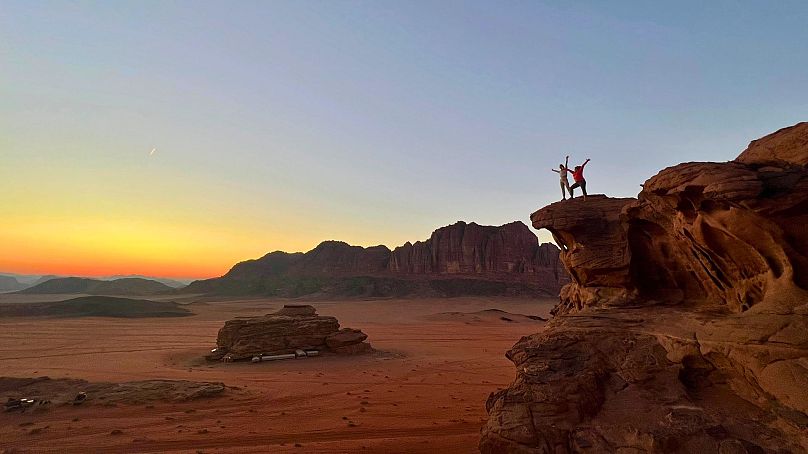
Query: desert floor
x,y
424,390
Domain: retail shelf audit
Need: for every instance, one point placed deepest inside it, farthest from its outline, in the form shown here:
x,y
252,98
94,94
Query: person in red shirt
x,y
578,176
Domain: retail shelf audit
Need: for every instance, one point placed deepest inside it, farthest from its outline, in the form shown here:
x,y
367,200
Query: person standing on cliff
x,y
578,176
565,184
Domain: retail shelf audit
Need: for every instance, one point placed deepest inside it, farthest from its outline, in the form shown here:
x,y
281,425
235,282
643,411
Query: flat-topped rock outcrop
x,y
685,326
294,327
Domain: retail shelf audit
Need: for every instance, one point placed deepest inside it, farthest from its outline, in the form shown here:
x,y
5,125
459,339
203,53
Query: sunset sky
x,y
276,125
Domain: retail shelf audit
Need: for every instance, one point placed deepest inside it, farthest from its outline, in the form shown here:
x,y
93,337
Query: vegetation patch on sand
x,y
96,306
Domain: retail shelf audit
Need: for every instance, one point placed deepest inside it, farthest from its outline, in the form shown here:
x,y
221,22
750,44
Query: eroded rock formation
x,y
471,249
685,326
593,248
294,327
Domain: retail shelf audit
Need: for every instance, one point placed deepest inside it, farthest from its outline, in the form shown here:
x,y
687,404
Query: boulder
x,y
685,326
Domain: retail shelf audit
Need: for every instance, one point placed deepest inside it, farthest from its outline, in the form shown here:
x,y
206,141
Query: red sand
x,y
423,391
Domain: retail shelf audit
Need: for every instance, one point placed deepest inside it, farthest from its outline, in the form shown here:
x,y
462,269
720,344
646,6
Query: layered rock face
x,y
593,245
508,255
295,327
470,249
734,234
685,326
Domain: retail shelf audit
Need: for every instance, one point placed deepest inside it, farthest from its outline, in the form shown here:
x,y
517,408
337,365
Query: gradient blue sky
x,y
281,124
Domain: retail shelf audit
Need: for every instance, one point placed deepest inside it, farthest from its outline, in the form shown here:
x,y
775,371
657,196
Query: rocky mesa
x,y
685,326
287,331
459,259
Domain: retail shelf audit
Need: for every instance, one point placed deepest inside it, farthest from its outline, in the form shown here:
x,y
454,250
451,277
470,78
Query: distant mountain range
x,y
96,306
169,282
457,260
10,284
125,286
460,259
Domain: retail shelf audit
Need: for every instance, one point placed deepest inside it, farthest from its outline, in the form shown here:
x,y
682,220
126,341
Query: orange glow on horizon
x,y
104,248
110,267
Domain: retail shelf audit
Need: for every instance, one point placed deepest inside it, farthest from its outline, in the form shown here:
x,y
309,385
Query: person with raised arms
x,y
578,176
562,173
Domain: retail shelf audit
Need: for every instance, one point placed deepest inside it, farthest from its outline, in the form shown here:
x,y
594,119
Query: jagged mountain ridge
x,y
461,254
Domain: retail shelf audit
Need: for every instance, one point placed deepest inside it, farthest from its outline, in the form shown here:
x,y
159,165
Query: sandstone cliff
x,y
460,259
685,326
470,249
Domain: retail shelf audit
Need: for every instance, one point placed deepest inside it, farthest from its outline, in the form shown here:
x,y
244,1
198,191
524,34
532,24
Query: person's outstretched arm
x,y
556,171
584,164
567,162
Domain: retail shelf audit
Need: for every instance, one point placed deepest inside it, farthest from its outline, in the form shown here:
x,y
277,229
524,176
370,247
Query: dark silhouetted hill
x,y
96,306
163,280
10,284
45,278
126,286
